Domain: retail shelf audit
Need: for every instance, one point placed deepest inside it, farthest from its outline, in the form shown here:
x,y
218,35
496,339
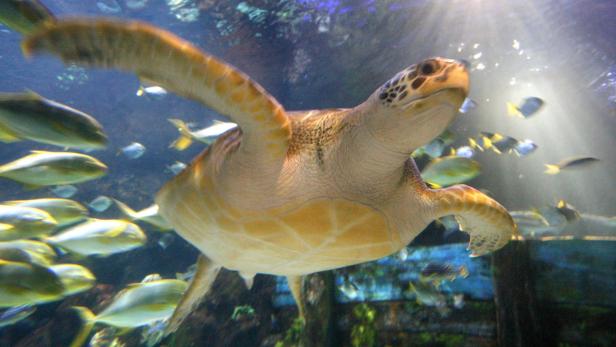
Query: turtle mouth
x,y
453,96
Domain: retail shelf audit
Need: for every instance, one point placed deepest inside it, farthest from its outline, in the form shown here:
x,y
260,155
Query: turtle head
x,y
418,103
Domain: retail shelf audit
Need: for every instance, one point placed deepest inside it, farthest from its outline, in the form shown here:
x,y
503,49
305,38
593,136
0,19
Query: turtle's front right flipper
x,y
488,222
161,57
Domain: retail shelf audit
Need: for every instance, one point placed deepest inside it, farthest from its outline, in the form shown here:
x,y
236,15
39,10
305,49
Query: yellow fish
x,y
42,168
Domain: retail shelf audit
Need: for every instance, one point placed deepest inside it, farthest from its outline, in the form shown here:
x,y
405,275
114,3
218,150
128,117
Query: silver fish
x,y
133,150
101,203
42,168
29,116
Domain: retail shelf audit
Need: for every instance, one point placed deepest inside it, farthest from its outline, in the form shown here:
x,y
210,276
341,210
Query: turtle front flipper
x,y
159,56
200,285
488,222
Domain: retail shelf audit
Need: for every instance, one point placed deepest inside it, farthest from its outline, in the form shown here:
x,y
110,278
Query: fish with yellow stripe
x,y
100,236
527,108
137,305
29,116
205,135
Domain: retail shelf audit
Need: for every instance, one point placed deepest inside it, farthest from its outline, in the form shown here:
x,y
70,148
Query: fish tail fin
x,y
185,139
88,319
552,169
513,110
474,145
434,185
128,212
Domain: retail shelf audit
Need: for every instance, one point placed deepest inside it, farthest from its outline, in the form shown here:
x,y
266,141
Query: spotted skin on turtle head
x,y
417,81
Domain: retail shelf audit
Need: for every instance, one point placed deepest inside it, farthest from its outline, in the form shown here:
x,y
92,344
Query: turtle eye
x,y
427,68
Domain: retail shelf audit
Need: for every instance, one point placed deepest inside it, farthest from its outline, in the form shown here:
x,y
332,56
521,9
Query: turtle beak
x,y
441,74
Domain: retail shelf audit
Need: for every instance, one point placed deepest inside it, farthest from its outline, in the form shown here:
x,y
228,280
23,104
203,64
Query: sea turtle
x,y
292,193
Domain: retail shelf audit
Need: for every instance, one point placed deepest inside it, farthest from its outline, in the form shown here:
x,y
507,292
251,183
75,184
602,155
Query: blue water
x,y
322,54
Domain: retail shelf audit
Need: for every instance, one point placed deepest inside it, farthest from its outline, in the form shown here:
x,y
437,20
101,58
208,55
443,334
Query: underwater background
x,y
313,54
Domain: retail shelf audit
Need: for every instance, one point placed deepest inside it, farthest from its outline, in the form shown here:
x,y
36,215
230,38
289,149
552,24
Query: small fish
x,y
446,171
468,105
527,108
465,152
438,273
498,143
558,216
27,284
133,151
64,211
108,6
569,164
100,204
24,16
27,251
136,4
529,222
148,215
64,191
206,135
29,116
15,314
427,294
524,148
349,289
176,167
166,240
42,168
436,147
100,236
24,222
155,92
403,254
75,278
137,305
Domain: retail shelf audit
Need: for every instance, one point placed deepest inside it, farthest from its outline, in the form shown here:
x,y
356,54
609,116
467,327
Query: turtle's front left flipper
x,y
159,56
488,222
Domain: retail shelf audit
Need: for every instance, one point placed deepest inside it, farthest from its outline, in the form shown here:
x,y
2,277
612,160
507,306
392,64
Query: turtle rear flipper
x,y
488,223
162,58
200,285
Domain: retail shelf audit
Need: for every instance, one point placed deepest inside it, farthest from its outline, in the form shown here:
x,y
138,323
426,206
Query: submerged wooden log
x,y
318,296
517,317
